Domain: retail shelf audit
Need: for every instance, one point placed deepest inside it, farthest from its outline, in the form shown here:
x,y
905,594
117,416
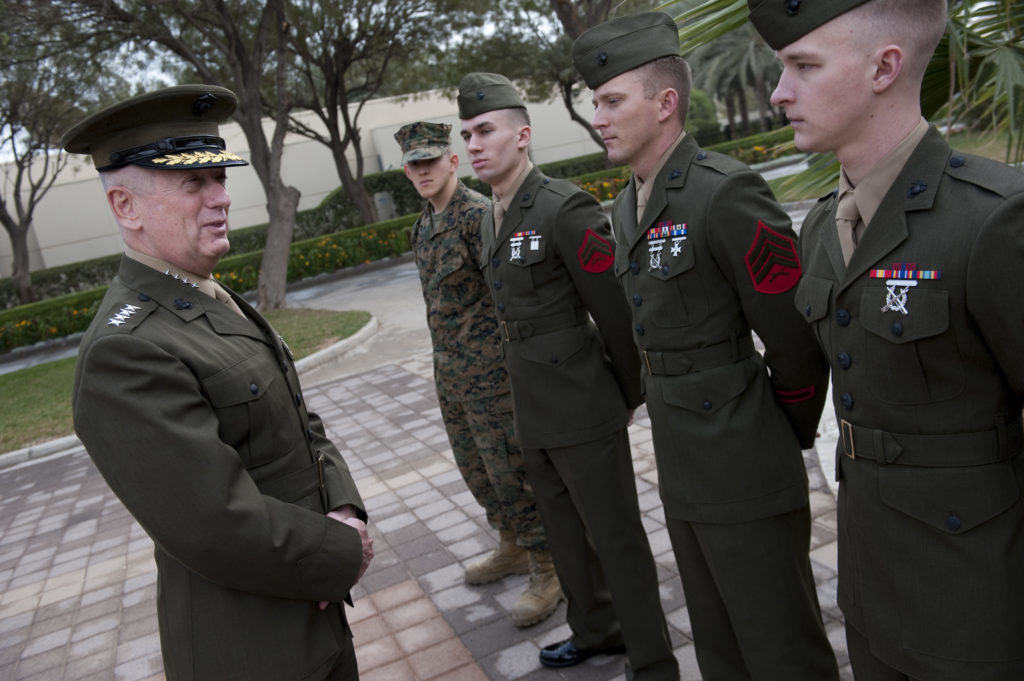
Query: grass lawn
x,y
35,403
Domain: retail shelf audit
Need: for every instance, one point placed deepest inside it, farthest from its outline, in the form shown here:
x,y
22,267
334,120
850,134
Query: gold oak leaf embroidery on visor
x,y
189,158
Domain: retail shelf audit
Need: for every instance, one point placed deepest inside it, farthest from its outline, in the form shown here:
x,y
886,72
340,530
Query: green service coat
x,y
928,388
194,417
564,326
713,257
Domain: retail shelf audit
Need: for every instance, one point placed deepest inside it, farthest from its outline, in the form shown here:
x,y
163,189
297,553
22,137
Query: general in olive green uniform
x,y
711,257
575,379
923,326
192,411
471,380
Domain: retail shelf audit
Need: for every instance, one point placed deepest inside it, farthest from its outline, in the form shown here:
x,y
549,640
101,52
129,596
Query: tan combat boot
x,y
508,559
543,594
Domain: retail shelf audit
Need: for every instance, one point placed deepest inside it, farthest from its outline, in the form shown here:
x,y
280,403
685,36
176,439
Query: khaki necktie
x,y
499,215
847,217
641,203
224,297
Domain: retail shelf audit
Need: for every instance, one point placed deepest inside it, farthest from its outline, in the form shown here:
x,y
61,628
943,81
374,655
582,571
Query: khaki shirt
x,y
872,189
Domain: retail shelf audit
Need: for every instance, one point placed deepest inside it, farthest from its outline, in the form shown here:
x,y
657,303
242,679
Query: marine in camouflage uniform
x,y
472,384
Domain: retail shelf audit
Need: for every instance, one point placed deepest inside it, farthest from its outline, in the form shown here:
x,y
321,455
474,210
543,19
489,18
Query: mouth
x,y
479,162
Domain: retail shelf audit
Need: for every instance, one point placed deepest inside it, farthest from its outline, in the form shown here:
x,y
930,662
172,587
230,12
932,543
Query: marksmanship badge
x,y
658,235
898,282
516,243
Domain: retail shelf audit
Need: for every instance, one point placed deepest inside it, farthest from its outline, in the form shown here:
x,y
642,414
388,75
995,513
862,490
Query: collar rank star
x,y
121,317
902,276
656,237
183,280
516,243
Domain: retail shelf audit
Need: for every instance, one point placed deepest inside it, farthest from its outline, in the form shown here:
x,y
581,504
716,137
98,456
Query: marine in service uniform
x,y
547,257
189,404
705,255
911,283
472,383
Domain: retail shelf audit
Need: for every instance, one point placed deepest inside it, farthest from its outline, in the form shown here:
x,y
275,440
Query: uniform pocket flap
x,y
927,314
553,348
951,500
239,383
674,265
710,390
449,265
812,296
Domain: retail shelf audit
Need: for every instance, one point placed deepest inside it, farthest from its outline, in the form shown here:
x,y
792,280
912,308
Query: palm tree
x,y
732,68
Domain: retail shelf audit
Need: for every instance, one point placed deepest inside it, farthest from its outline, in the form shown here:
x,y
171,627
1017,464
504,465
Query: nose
x,y
597,121
217,196
783,93
473,143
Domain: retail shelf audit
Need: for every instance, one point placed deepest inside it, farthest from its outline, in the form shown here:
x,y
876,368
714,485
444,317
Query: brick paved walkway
x,y
78,578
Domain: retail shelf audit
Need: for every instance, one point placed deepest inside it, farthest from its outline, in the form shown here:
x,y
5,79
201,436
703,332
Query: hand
x,y
630,414
347,514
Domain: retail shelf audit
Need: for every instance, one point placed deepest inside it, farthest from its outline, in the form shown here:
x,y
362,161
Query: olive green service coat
x,y
573,379
195,418
713,257
925,330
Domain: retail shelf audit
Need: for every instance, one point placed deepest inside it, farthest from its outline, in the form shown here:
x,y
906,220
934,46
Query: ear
x,y
408,171
454,160
668,102
524,136
888,65
124,205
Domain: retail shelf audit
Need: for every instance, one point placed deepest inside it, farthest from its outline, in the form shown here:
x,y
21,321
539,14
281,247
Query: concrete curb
x,y
70,443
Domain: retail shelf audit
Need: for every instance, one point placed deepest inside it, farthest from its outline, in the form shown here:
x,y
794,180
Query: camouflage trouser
x,y
482,437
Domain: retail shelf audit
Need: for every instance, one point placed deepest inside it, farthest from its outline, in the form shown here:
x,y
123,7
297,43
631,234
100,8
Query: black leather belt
x,y
524,328
951,450
699,359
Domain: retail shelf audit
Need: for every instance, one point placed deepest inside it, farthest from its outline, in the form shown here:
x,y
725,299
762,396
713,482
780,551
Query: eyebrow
x,y
479,125
796,55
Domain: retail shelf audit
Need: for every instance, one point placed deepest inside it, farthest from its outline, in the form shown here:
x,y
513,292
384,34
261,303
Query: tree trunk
x,y
354,189
282,202
730,113
20,274
566,89
744,113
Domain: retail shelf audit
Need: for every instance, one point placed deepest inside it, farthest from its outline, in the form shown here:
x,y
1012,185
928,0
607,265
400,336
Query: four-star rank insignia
x,y
772,261
595,253
121,317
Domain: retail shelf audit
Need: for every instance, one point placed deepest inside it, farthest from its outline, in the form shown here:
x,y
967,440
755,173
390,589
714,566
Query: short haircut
x,y
518,116
670,71
915,25
134,178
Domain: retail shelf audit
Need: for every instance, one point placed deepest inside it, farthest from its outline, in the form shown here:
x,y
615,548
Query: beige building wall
x,y
73,222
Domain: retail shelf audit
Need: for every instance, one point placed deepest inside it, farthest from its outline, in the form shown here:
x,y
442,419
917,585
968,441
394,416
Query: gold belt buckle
x,y
847,435
504,327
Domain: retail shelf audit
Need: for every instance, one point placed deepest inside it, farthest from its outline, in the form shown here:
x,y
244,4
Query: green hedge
x,y
337,213
64,315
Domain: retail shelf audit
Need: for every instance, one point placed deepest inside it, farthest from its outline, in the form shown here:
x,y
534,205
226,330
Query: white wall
x,y
73,222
